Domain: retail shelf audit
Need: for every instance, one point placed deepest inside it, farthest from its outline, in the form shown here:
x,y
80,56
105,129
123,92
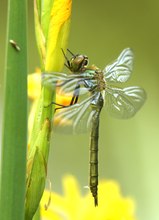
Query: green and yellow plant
x,y
52,21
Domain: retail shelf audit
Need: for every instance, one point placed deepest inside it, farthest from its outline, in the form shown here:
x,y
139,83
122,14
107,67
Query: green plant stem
x,y
13,167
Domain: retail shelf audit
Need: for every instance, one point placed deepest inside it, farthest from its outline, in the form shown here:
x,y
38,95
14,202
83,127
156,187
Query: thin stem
x,y
13,167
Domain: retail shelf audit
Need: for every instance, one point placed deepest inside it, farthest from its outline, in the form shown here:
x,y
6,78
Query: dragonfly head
x,y
78,63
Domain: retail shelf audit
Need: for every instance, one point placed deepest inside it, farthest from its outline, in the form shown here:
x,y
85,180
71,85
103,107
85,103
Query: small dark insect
x,y
14,44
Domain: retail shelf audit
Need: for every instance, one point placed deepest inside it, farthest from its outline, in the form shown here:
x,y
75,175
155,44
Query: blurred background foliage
x,y
129,149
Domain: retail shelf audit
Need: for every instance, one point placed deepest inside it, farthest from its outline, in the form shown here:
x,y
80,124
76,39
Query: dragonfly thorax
x,y
101,83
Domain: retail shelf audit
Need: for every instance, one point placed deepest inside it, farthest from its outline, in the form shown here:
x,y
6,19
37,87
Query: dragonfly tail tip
x,y
96,201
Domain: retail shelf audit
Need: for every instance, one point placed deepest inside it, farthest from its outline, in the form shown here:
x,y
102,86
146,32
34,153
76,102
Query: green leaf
x,y
46,16
13,165
37,215
37,170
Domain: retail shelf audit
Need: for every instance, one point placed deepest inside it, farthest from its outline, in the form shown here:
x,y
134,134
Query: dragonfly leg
x,y
74,99
67,64
70,52
54,103
75,96
61,106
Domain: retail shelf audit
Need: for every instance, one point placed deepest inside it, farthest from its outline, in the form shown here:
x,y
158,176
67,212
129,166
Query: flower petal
x,y
58,34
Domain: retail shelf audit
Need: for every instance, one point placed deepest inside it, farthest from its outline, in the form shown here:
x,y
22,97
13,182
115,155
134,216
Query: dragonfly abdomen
x,y
93,183
97,105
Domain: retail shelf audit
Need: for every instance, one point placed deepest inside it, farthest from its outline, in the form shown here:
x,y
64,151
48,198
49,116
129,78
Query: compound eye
x,y
86,61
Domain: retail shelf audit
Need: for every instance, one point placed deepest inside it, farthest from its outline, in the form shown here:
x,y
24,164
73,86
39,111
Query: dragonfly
x,y
89,89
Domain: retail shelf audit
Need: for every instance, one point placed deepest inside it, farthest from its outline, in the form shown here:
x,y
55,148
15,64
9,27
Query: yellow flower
x,y
58,34
52,23
34,89
73,206
34,84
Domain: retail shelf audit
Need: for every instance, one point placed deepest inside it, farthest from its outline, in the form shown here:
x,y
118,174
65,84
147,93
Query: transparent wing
x,y
67,84
124,103
75,118
120,70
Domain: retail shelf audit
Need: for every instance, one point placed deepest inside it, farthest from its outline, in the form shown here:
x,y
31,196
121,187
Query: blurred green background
x,y
129,149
